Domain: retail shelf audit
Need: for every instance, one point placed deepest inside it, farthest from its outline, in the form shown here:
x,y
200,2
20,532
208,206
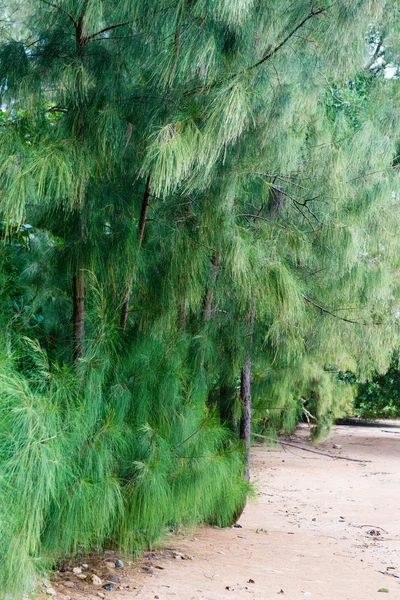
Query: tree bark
x,y
78,314
245,397
207,307
125,305
216,261
142,224
78,278
144,211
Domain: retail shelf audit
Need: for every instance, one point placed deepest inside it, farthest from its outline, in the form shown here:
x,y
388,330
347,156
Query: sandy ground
x,y
320,528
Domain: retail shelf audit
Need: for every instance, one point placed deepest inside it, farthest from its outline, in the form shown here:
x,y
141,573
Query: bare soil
x,y
320,528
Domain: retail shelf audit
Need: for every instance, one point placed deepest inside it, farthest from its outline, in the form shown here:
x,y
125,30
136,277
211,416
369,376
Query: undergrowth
x,y
81,471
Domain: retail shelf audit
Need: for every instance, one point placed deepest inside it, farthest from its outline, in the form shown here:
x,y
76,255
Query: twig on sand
x,y
390,574
311,449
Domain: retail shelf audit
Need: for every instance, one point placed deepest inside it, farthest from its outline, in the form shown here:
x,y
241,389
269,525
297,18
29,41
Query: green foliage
x,y
124,482
379,398
351,99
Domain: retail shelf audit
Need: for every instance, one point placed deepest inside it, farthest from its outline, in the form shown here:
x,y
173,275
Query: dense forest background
x,y
199,235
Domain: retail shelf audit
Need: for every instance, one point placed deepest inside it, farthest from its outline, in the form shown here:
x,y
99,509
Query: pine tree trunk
x,y
210,294
78,278
245,423
207,307
78,314
245,397
142,224
144,211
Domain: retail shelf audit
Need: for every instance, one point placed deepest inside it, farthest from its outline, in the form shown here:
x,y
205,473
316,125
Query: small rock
x,y
374,532
237,526
119,564
109,587
101,595
68,584
148,570
51,591
64,568
251,581
82,576
156,596
77,570
337,446
95,579
66,597
84,566
114,578
180,556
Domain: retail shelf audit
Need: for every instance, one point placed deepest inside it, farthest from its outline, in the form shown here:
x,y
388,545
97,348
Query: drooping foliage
x,y
198,209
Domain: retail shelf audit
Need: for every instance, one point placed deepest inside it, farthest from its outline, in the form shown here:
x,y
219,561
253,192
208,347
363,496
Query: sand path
x,y
307,535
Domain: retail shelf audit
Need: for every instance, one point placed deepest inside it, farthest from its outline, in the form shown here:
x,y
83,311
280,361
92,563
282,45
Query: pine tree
x,y
207,227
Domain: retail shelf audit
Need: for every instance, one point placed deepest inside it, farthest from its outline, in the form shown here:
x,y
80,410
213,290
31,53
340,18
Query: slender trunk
x,y
78,278
144,211
80,34
216,261
125,305
142,224
245,422
245,397
78,315
207,309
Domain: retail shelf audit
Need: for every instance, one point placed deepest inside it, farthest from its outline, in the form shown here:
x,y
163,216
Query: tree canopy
x,y
199,215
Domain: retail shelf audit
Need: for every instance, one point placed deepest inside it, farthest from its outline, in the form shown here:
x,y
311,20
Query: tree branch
x,y
116,37
270,53
328,312
61,9
292,445
94,35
